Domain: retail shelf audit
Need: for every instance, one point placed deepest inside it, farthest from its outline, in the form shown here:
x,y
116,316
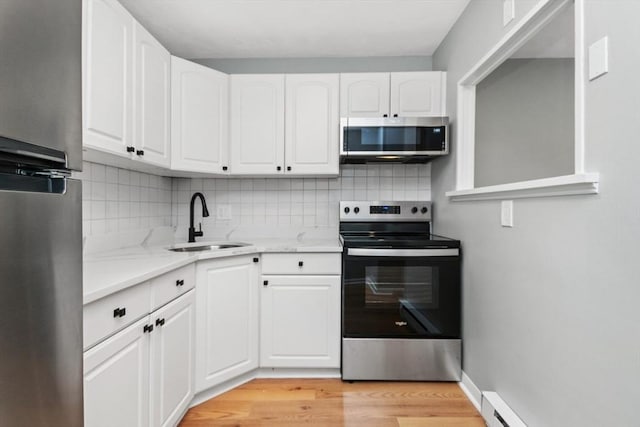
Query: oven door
x,y
401,293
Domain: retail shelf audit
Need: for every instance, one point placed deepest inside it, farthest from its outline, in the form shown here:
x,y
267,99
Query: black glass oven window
x,y
394,297
390,138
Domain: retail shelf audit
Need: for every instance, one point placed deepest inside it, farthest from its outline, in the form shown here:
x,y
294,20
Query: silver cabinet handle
x,y
403,252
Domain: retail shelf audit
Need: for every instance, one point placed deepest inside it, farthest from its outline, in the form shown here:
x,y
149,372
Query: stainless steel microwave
x,y
400,139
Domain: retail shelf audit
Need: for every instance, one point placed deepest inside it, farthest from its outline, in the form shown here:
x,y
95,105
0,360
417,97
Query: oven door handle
x,y
403,252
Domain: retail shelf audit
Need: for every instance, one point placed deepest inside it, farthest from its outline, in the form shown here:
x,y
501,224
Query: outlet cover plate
x,y
223,212
508,11
506,213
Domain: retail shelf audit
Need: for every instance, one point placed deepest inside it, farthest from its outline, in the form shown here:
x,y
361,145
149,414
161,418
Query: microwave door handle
x,y
403,252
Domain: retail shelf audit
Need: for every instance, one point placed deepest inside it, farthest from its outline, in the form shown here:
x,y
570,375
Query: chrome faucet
x,y
205,213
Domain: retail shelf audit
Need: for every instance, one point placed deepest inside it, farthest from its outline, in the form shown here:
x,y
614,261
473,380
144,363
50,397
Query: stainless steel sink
x,y
209,247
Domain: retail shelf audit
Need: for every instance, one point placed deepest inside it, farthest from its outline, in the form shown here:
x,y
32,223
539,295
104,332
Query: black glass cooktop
x,y
399,241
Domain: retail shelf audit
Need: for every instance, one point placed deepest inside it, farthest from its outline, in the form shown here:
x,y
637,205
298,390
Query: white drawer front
x,y
171,285
301,263
112,313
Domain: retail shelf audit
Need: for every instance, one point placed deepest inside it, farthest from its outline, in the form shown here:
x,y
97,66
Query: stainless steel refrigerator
x,y
40,213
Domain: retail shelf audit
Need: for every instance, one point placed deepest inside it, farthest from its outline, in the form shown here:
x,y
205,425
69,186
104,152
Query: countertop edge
x,y
151,273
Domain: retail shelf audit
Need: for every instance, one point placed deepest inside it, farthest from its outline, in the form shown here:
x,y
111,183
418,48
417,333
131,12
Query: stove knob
x,y
346,210
414,209
356,209
424,210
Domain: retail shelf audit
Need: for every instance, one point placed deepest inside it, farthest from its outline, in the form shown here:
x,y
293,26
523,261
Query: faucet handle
x,y
200,226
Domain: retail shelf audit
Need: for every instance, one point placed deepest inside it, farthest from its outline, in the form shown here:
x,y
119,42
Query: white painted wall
x,y
525,121
318,65
551,318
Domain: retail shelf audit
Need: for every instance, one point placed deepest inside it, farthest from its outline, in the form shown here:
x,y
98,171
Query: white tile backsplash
x,y
295,202
120,200
116,200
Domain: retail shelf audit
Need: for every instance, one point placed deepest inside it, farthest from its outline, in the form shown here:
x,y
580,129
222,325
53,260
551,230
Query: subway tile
x,y
309,184
129,199
123,176
112,175
98,173
297,184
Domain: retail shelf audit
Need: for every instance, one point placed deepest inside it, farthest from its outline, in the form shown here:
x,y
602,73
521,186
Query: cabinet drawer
x,y
171,285
301,263
114,312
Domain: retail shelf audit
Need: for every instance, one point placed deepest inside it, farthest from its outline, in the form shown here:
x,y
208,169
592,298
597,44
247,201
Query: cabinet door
x,y
172,360
116,380
257,124
227,320
364,94
312,124
153,97
108,76
199,117
300,322
416,94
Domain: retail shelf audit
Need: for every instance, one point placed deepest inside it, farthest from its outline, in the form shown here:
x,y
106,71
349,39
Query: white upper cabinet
x,y
406,94
108,76
261,143
312,120
257,124
364,94
199,118
126,84
417,94
153,99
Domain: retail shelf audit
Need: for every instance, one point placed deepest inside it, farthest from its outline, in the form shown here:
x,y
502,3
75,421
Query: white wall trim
x,y
567,185
580,63
539,16
471,390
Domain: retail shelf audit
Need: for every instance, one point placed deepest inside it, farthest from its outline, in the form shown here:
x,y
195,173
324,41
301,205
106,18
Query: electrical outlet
x,y
506,213
223,212
508,11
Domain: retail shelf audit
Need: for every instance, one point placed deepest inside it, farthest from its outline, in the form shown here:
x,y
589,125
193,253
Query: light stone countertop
x,y
111,271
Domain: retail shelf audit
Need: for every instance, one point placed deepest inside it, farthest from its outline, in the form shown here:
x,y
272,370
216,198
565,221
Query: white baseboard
x,y
298,373
212,392
471,390
226,386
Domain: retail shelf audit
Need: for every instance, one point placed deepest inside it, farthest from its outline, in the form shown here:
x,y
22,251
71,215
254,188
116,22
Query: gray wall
x,y
536,138
551,317
318,65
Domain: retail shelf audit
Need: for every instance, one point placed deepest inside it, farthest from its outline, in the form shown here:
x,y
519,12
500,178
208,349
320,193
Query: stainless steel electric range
x,y
401,303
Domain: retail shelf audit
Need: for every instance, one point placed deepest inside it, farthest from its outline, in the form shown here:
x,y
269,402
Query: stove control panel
x,y
410,211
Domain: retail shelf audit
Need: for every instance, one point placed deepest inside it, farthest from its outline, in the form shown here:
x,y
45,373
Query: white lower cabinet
x,y
227,319
116,380
300,310
143,375
300,322
172,360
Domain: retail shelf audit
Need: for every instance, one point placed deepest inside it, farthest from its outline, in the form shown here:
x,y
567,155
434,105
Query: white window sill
x,y
568,185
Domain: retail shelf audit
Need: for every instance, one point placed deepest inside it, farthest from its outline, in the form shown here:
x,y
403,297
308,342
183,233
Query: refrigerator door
x,y
41,74
41,307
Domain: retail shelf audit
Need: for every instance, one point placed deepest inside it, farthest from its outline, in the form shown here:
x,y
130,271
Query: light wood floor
x,y
331,402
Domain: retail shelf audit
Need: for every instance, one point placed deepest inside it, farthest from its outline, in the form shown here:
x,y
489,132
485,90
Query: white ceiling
x,y
297,28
